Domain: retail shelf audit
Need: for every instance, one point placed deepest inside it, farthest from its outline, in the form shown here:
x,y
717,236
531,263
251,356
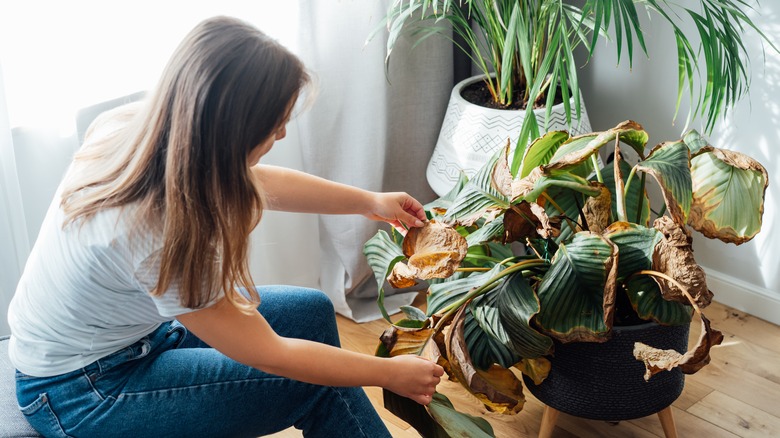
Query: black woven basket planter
x,y
603,381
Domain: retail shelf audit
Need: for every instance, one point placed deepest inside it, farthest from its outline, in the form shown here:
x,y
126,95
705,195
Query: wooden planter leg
x,y
667,422
549,417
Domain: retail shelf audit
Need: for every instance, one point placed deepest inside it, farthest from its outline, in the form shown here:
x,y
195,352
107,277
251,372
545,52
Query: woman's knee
x,y
318,301
299,312
295,298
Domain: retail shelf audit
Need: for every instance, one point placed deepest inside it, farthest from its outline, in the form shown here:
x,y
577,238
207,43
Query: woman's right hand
x,y
414,377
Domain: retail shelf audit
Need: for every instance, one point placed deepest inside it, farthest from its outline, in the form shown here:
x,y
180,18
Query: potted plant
x,y
525,49
569,253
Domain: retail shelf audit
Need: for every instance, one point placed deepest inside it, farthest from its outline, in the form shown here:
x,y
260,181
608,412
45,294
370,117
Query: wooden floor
x,y
736,395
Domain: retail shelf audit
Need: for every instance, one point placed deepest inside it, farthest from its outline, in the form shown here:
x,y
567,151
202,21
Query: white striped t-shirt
x,y
85,292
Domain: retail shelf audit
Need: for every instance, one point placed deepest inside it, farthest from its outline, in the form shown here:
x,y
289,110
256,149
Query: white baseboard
x,y
741,295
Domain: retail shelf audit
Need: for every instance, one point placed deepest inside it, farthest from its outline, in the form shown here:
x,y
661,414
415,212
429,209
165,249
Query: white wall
x,y
745,277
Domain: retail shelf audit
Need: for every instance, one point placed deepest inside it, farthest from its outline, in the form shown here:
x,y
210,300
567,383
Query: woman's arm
x,y
260,347
292,190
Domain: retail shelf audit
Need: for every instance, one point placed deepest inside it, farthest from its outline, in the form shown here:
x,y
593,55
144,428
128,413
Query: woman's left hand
x,y
398,209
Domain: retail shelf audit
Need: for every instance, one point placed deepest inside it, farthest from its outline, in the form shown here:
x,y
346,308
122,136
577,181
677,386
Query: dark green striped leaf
x,y
382,253
647,301
635,247
483,346
517,304
577,292
478,195
444,294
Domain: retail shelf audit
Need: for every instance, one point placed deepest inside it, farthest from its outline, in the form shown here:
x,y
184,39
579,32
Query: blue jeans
x,y
171,384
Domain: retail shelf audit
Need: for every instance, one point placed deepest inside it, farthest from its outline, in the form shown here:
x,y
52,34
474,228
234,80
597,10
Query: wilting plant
x,y
565,249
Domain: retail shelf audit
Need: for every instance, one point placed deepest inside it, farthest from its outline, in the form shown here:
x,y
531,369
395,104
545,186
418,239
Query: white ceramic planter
x,y
471,133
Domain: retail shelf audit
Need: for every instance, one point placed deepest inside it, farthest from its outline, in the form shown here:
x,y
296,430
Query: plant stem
x,y
452,309
628,181
674,282
560,210
595,163
620,188
472,269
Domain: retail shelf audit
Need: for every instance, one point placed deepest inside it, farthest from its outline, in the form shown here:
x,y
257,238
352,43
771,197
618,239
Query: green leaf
x,y
413,313
728,195
458,424
648,302
434,207
528,132
516,305
635,247
487,232
576,292
567,203
541,151
577,150
637,201
478,195
444,294
695,142
382,253
484,347
669,164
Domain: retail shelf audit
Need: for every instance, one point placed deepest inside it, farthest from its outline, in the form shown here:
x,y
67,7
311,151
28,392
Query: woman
x,y
136,314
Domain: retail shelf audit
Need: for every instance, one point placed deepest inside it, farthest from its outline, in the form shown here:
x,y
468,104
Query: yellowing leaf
x,y
728,195
627,130
402,340
537,369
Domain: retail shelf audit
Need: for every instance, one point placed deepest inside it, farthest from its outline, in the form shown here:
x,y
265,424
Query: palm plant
x,y
564,251
525,48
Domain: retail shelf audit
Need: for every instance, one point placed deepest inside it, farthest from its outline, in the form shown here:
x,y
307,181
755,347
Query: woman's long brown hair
x,y
183,156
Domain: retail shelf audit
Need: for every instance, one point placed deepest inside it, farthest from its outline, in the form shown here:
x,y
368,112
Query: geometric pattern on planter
x,y
470,134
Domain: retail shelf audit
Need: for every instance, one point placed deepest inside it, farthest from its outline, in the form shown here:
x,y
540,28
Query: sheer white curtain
x,y
14,245
361,130
367,130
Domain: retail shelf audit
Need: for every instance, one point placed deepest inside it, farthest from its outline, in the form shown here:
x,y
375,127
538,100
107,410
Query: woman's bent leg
x,y
172,390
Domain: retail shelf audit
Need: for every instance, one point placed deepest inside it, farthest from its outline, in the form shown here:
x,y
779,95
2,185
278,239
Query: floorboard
x,y
736,395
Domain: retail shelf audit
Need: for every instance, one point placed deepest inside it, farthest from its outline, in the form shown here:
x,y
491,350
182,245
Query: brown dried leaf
x,y
529,220
433,237
403,340
402,276
673,256
439,351
597,210
498,388
523,186
657,360
502,175
435,250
